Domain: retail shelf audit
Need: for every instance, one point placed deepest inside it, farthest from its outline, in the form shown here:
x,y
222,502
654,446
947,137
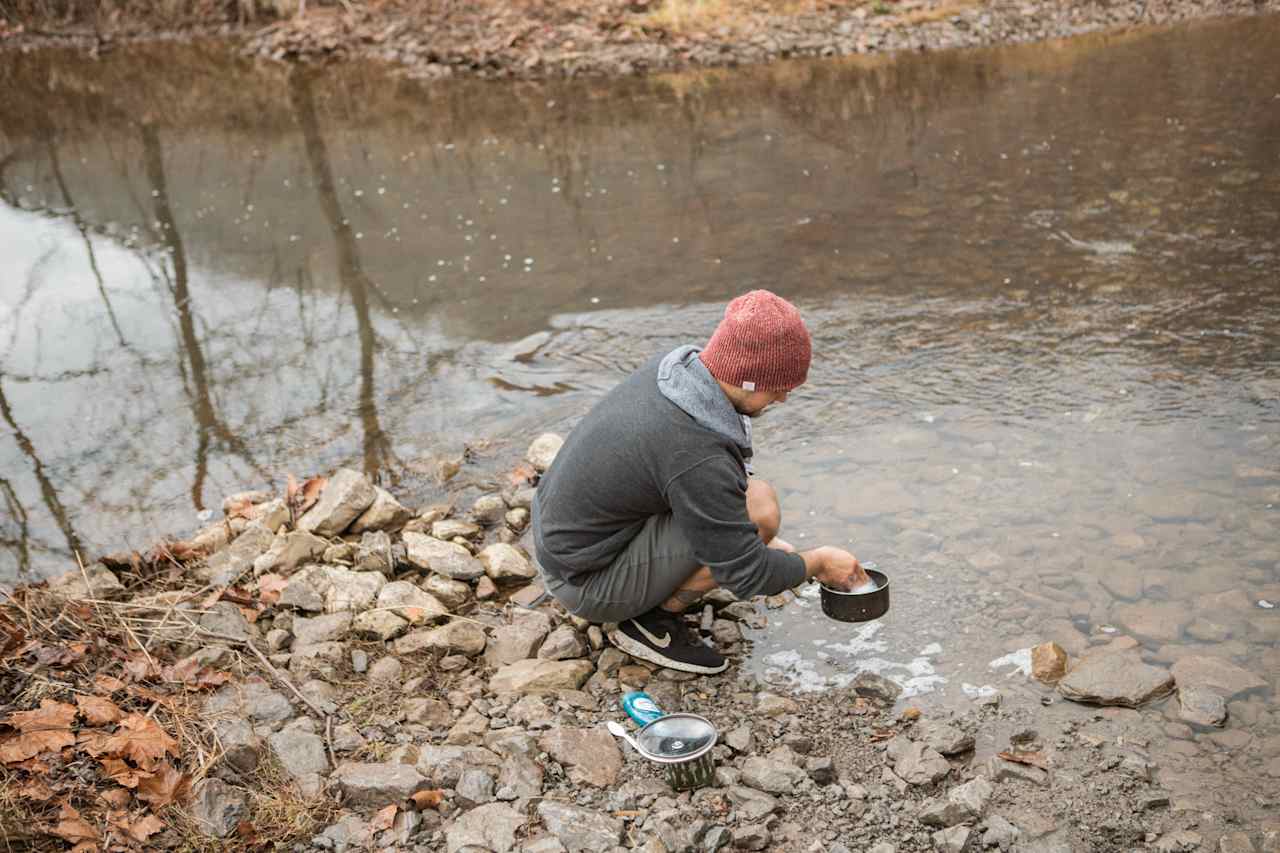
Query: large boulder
x,y
531,676
1119,678
443,558
347,494
592,755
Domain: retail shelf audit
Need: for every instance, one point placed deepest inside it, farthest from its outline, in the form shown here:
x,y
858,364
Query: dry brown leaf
x,y
35,789
85,847
12,637
1035,759
117,798
311,490
270,587
23,746
521,474
107,684
383,819
50,715
168,785
182,551
241,509
189,672
72,827
93,741
141,830
98,711
142,741
59,656
122,773
428,799
250,614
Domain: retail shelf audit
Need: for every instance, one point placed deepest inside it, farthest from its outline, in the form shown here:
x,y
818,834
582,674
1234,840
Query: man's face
x,y
753,403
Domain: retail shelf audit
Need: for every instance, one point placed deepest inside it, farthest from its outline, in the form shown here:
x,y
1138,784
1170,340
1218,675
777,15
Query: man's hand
x,y
834,567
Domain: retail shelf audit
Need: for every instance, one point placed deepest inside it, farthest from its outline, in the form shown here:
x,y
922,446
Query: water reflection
x,y
990,239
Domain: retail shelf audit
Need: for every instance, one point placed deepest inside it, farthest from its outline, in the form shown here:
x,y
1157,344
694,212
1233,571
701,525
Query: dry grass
x,y
682,16
936,13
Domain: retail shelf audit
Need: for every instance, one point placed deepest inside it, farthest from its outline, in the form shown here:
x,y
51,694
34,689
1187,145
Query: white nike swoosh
x,y
662,644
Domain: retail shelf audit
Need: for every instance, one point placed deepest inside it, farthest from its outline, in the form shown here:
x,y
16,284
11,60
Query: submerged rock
x,y
1201,706
1120,678
1216,674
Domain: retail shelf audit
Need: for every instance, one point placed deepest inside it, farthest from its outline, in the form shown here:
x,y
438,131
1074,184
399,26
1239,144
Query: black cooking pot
x,y
858,607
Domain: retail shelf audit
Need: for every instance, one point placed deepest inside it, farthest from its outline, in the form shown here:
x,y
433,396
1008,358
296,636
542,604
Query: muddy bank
x,y
613,38
328,669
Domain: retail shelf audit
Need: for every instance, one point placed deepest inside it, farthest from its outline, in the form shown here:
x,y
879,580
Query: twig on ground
x,y
266,664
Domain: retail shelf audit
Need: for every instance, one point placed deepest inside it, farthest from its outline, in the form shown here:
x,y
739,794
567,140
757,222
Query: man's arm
x,y
834,567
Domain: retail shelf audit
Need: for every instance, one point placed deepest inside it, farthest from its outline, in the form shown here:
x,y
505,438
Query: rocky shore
x,y
330,670
541,40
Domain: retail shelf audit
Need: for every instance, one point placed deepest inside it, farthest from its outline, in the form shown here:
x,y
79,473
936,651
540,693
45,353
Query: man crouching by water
x,y
649,504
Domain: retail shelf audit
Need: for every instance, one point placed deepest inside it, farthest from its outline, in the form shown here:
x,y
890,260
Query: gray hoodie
x,y
666,440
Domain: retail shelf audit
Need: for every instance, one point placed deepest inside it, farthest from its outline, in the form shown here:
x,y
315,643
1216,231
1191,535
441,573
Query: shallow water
x,y
1041,282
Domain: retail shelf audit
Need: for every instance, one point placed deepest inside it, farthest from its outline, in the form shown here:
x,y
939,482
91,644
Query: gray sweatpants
x,y
647,572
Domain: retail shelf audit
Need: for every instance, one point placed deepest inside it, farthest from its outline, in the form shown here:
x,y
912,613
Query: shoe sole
x,y
640,650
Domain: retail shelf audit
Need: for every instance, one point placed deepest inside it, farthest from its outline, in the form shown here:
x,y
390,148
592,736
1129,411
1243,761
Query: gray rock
x,y
821,769
427,711
1216,674
1179,841
226,619
321,659
1235,842
384,513
752,836
443,558
379,625
452,594
347,739
321,629
1000,833
532,676
448,529
973,797
305,590
457,637
253,700
739,739
342,500
873,686
725,633
475,787
752,804
491,827
387,670
542,452
503,562
951,840
444,765
772,705
516,642
377,784
610,660
278,640
411,603
882,847
288,551
349,833
240,744
776,777
489,509
302,754
1119,678
376,553
917,764
521,776
580,829
564,643
218,808
592,755
1201,706
999,770
717,838
470,729
347,590
230,563
947,739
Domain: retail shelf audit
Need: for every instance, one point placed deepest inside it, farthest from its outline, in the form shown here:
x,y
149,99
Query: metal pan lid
x,y
677,737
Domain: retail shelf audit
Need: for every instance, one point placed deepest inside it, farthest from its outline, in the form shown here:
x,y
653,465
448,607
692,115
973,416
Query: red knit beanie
x,y
760,345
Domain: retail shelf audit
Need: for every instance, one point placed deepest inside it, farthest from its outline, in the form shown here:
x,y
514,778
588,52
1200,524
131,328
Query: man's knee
x,y
763,508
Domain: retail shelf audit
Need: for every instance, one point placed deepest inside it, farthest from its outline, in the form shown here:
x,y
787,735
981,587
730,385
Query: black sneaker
x,y
662,637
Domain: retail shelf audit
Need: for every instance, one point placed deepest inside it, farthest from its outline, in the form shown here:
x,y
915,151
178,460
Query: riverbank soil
x,y
585,37
327,669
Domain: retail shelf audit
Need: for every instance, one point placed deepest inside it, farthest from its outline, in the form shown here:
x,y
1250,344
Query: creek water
x,y
1041,282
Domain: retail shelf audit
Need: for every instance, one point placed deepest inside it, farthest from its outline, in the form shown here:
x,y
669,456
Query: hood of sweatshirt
x,y
684,380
